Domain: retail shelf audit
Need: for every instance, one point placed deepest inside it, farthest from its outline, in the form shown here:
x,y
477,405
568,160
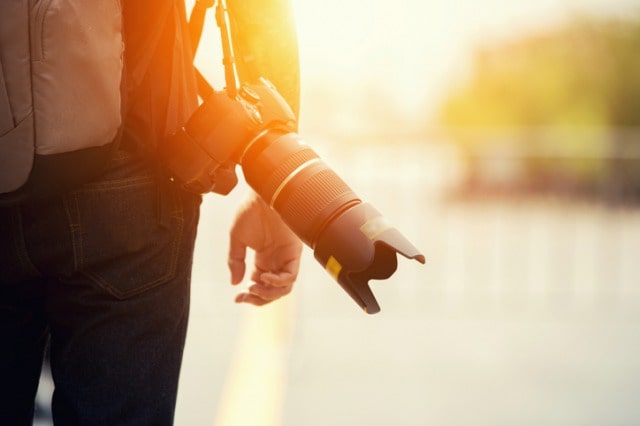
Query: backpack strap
x,y
196,25
196,21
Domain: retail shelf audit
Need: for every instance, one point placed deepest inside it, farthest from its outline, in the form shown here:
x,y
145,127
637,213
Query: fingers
x,y
237,266
269,287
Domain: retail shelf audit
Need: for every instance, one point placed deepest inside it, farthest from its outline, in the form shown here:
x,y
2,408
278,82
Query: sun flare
x,y
345,35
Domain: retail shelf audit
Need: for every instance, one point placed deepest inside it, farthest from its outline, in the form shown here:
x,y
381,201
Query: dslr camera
x,y
255,128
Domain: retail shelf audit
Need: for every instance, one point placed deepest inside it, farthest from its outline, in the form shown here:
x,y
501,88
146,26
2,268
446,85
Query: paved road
x,y
526,314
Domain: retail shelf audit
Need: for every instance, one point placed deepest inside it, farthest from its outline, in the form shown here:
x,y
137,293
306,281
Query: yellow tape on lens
x,y
374,227
333,267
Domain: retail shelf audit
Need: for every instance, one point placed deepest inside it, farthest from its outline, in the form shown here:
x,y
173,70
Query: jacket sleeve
x,y
265,44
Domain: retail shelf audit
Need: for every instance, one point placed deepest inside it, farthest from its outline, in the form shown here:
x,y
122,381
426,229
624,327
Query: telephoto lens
x,y
256,129
351,239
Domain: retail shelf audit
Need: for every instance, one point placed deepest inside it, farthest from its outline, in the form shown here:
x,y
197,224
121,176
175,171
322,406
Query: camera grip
x,y
203,153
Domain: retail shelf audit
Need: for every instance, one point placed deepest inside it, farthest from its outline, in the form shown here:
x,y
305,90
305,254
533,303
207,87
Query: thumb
x,y
237,254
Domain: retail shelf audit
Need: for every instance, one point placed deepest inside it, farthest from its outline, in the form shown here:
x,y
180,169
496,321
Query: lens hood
x,y
360,245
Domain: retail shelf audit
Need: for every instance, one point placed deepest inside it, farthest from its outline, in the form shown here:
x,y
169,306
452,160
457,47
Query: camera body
x,y
256,129
203,154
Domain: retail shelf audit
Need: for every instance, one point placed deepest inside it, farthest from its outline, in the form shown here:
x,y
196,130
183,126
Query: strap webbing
x,y
196,24
196,21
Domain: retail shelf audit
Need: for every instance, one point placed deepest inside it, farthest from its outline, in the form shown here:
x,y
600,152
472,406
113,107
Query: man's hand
x,y
277,253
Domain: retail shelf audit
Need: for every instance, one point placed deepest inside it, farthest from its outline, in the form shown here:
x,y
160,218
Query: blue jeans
x,y
104,273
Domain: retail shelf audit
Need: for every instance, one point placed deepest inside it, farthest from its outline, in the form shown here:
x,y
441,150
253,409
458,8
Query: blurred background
x,y
503,139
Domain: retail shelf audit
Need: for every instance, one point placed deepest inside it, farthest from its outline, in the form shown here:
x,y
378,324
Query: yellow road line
x,y
254,390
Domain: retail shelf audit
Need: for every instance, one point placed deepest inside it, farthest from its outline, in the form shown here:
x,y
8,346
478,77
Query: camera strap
x,y
196,25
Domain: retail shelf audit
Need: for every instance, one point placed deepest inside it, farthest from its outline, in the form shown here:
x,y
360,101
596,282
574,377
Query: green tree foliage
x,y
563,105
586,73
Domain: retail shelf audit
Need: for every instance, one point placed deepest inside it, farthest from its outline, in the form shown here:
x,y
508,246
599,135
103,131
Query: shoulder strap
x,y
196,25
196,21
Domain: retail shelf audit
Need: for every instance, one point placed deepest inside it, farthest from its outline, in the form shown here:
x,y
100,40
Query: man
x,y
103,271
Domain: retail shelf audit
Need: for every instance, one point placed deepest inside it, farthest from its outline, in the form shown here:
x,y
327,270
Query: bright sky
x,y
413,49
417,46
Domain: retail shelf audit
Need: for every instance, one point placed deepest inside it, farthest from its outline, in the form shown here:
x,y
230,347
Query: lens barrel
x,y
296,183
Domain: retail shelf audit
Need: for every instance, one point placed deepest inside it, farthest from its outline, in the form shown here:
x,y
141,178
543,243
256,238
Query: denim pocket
x,y
126,228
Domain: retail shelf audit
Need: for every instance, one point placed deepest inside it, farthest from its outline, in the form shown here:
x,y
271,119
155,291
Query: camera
x,y
256,129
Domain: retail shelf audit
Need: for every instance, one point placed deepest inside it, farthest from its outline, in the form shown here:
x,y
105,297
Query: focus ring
x,y
283,170
311,200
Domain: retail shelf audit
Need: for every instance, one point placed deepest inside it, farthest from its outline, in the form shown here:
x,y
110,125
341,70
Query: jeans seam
x,y
76,231
115,184
21,247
